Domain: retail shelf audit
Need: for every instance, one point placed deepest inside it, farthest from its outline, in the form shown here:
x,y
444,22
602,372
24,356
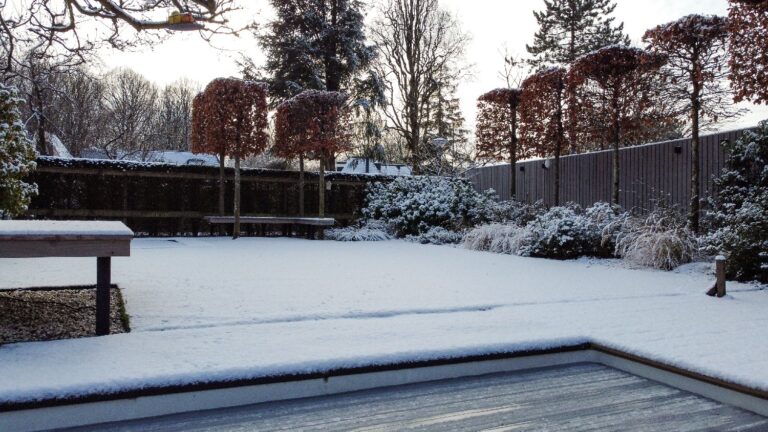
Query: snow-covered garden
x,y
216,309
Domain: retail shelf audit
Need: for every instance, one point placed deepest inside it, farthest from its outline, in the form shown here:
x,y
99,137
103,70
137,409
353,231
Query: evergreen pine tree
x,y
447,121
314,45
17,156
571,28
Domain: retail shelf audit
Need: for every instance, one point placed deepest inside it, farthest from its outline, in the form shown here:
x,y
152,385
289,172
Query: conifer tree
x,y
17,156
314,45
569,29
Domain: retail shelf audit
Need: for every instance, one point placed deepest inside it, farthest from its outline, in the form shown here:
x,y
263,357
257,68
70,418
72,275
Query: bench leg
x,y
103,282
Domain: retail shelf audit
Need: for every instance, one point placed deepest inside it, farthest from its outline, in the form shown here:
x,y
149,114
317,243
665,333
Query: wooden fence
x,y
159,199
649,173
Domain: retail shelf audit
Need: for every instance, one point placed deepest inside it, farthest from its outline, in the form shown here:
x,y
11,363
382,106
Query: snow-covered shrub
x,y
498,238
17,156
517,212
608,220
366,231
560,233
413,205
661,240
739,218
436,236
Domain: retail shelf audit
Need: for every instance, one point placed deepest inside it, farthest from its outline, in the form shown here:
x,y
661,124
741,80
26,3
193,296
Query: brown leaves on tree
x,y
541,116
541,112
312,122
230,118
612,90
748,30
497,120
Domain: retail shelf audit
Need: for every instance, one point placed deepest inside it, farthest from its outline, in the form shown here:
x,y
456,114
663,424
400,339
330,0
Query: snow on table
x,y
213,309
50,228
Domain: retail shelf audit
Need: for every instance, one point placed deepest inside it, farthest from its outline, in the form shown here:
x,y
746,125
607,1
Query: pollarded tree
x,y
17,156
748,30
314,123
696,72
232,115
542,117
571,28
496,129
615,83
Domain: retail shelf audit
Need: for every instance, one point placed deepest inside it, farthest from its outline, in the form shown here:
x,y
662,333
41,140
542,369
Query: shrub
x,y
739,218
436,236
17,156
660,240
498,238
560,232
517,212
367,231
414,205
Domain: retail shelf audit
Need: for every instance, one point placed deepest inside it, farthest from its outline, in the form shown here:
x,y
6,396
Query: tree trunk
x,y
222,155
236,230
560,139
301,185
693,216
513,157
321,186
616,138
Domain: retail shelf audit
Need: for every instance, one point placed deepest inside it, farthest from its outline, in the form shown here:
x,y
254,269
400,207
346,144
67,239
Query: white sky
x,y
492,24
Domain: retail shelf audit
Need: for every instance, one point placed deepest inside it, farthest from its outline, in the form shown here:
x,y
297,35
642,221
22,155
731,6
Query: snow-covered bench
x,y
100,239
285,222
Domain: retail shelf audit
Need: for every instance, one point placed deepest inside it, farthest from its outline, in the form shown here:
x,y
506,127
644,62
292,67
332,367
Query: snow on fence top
x,y
124,165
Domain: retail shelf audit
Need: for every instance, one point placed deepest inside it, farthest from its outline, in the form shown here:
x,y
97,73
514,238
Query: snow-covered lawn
x,y
212,309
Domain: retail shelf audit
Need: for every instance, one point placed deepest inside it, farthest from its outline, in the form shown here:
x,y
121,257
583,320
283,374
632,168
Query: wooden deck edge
x,y
158,401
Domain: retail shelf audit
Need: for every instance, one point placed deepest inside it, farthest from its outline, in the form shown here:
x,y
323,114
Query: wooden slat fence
x,y
649,173
156,199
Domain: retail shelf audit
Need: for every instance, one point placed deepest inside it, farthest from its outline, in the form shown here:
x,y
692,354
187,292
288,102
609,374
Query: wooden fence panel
x,y
650,173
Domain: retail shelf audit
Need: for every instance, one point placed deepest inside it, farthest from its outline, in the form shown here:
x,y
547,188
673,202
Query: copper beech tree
x,y
313,124
542,117
496,130
613,87
230,119
696,75
748,30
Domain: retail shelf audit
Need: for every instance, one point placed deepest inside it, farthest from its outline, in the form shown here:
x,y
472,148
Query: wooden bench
x,y
310,222
100,239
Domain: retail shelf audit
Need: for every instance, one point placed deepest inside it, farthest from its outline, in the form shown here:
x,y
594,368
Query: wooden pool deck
x,y
581,397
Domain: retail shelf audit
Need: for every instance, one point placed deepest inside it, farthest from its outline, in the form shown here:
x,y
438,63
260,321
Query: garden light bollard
x,y
720,274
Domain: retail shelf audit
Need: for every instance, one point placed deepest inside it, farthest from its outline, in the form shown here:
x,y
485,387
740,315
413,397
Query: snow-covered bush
x,y
661,240
17,156
498,238
517,212
560,233
739,218
436,236
366,231
413,205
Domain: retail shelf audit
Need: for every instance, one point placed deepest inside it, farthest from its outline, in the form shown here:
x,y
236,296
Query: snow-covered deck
x,y
215,309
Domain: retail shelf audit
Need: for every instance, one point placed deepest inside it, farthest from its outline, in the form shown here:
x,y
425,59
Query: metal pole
x,y
103,273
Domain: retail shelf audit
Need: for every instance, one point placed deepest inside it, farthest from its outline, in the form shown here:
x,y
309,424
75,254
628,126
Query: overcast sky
x,y
492,24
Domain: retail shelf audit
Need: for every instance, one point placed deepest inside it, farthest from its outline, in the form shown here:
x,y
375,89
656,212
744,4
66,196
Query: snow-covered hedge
x,y
414,205
740,215
560,233
661,240
366,231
